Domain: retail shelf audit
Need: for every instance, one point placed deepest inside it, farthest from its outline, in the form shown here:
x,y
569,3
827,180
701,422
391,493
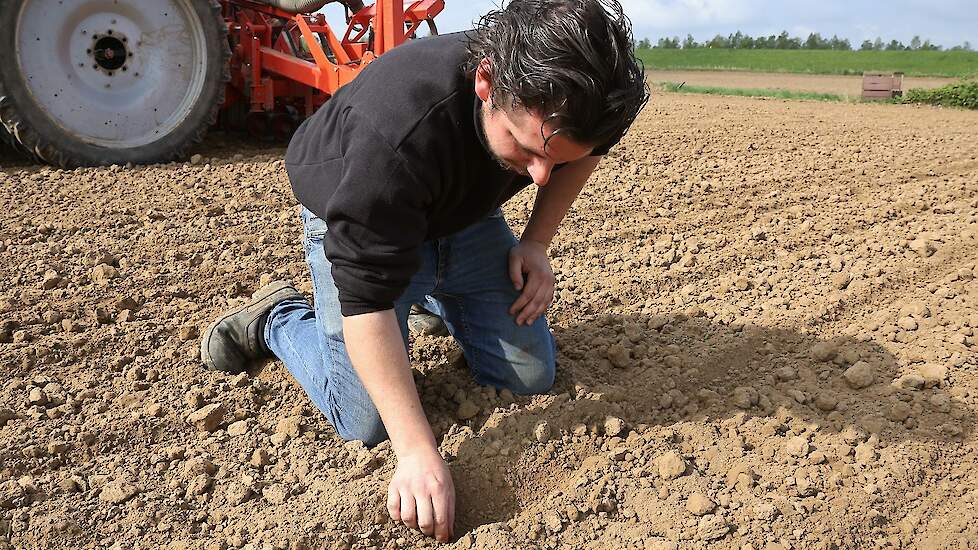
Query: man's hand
x,y
421,493
530,258
422,496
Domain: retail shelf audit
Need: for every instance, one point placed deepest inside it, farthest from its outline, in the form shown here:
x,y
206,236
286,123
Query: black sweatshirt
x,y
393,159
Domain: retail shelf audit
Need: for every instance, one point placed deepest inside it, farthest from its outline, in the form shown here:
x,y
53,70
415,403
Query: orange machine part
x,y
279,60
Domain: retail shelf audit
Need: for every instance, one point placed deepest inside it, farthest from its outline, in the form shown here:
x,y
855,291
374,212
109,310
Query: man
x,y
401,176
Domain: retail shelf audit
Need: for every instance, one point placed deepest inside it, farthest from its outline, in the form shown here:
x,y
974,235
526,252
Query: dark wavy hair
x,y
572,61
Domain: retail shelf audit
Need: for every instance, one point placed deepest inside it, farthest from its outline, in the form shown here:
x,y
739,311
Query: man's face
x,y
516,142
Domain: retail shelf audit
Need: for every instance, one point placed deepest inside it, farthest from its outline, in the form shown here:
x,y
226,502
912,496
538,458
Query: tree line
x,y
783,41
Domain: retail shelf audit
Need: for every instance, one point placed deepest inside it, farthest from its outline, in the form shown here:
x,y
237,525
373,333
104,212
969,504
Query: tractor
x,y
99,82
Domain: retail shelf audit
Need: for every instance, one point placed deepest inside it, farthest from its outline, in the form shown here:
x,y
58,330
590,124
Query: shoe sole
x,y
256,299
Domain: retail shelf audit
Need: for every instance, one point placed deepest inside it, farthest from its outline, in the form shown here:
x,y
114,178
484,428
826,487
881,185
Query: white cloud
x,y
803,31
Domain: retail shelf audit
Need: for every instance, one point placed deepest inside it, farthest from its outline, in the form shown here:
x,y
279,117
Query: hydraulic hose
x,y
310,6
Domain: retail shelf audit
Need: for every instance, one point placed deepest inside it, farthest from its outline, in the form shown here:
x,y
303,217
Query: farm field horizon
x,y
847,86
953,64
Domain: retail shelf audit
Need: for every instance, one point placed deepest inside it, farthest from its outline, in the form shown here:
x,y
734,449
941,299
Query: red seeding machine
x,y
95,82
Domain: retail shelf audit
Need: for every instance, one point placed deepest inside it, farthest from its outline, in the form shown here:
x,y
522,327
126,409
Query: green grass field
x,y
913,63
746,92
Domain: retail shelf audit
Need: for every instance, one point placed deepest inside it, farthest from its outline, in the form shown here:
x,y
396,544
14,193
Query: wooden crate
x,y
882,85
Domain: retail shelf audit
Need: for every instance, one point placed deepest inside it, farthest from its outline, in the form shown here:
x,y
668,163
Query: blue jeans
x,y
464,278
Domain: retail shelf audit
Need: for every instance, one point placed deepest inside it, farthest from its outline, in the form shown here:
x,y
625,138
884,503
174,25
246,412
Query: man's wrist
x,y
532,240
419,450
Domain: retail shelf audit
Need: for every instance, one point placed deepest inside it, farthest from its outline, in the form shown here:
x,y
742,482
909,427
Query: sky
x,y
945,22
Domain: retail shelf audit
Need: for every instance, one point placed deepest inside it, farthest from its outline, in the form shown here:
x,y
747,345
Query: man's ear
x,y
483,80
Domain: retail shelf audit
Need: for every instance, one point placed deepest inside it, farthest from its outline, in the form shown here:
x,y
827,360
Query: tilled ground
x,y
766,319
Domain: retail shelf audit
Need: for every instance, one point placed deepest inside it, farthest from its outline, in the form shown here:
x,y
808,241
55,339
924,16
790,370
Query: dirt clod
x,y
208,417
699,504
670,465
860,375
118,492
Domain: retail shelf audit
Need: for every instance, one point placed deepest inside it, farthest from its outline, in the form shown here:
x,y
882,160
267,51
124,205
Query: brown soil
x,y
766,318
849,86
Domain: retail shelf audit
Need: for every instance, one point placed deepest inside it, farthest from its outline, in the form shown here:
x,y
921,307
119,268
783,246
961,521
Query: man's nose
x,y
539,170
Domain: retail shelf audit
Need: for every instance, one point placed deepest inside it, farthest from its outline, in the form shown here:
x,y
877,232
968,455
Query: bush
x,y
960,94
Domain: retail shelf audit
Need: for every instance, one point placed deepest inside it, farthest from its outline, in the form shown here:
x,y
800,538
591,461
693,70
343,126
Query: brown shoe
x,y
236,338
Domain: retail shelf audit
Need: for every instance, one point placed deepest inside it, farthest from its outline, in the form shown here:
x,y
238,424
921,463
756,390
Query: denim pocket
x,y
313,226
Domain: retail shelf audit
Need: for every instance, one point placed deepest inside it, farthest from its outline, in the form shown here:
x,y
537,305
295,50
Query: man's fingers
x,y
426,515
444,507
409,513
451,514
527,296
537,301
516,270
537,307
394,504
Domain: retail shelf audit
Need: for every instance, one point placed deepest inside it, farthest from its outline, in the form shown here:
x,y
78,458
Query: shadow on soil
x,y
217,144
692,369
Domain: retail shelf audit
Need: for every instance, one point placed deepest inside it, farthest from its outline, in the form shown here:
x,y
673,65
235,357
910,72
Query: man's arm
x,y
421,493
555,199
529,266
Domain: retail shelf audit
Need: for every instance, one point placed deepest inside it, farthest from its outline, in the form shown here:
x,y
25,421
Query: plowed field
x,y
766,316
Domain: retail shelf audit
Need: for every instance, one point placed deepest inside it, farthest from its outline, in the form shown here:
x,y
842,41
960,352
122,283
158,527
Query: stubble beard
x,y
499,160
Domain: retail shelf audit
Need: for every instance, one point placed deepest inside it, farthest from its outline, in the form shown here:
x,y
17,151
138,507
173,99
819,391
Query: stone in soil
x,y
467,409
619,356
670,465
825,401
238,493
797,446
745,397
208,417
118,492
907,323
196,466
865,453
275,493
824,351
712,527
613,426
860,375
291,425
51,280
6,415
932,374
103,273
12,494
199,485
542,432
238,428
923,247
699,504
766,511
37,397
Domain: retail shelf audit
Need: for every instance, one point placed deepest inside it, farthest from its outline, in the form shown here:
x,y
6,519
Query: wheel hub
x,y
109,52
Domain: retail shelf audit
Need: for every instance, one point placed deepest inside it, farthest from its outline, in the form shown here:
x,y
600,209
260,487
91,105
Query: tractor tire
x,y
93,82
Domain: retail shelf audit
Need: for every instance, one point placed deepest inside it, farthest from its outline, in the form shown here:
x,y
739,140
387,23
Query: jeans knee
x,y
543,379
535,378
369,430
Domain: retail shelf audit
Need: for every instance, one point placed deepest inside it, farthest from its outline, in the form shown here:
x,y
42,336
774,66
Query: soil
x,y
847,86
766,320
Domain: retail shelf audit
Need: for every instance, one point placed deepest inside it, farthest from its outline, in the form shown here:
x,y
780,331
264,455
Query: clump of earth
x,y
766,316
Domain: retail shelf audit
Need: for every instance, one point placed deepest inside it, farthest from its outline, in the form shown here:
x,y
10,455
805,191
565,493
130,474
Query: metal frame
x,y
279,63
